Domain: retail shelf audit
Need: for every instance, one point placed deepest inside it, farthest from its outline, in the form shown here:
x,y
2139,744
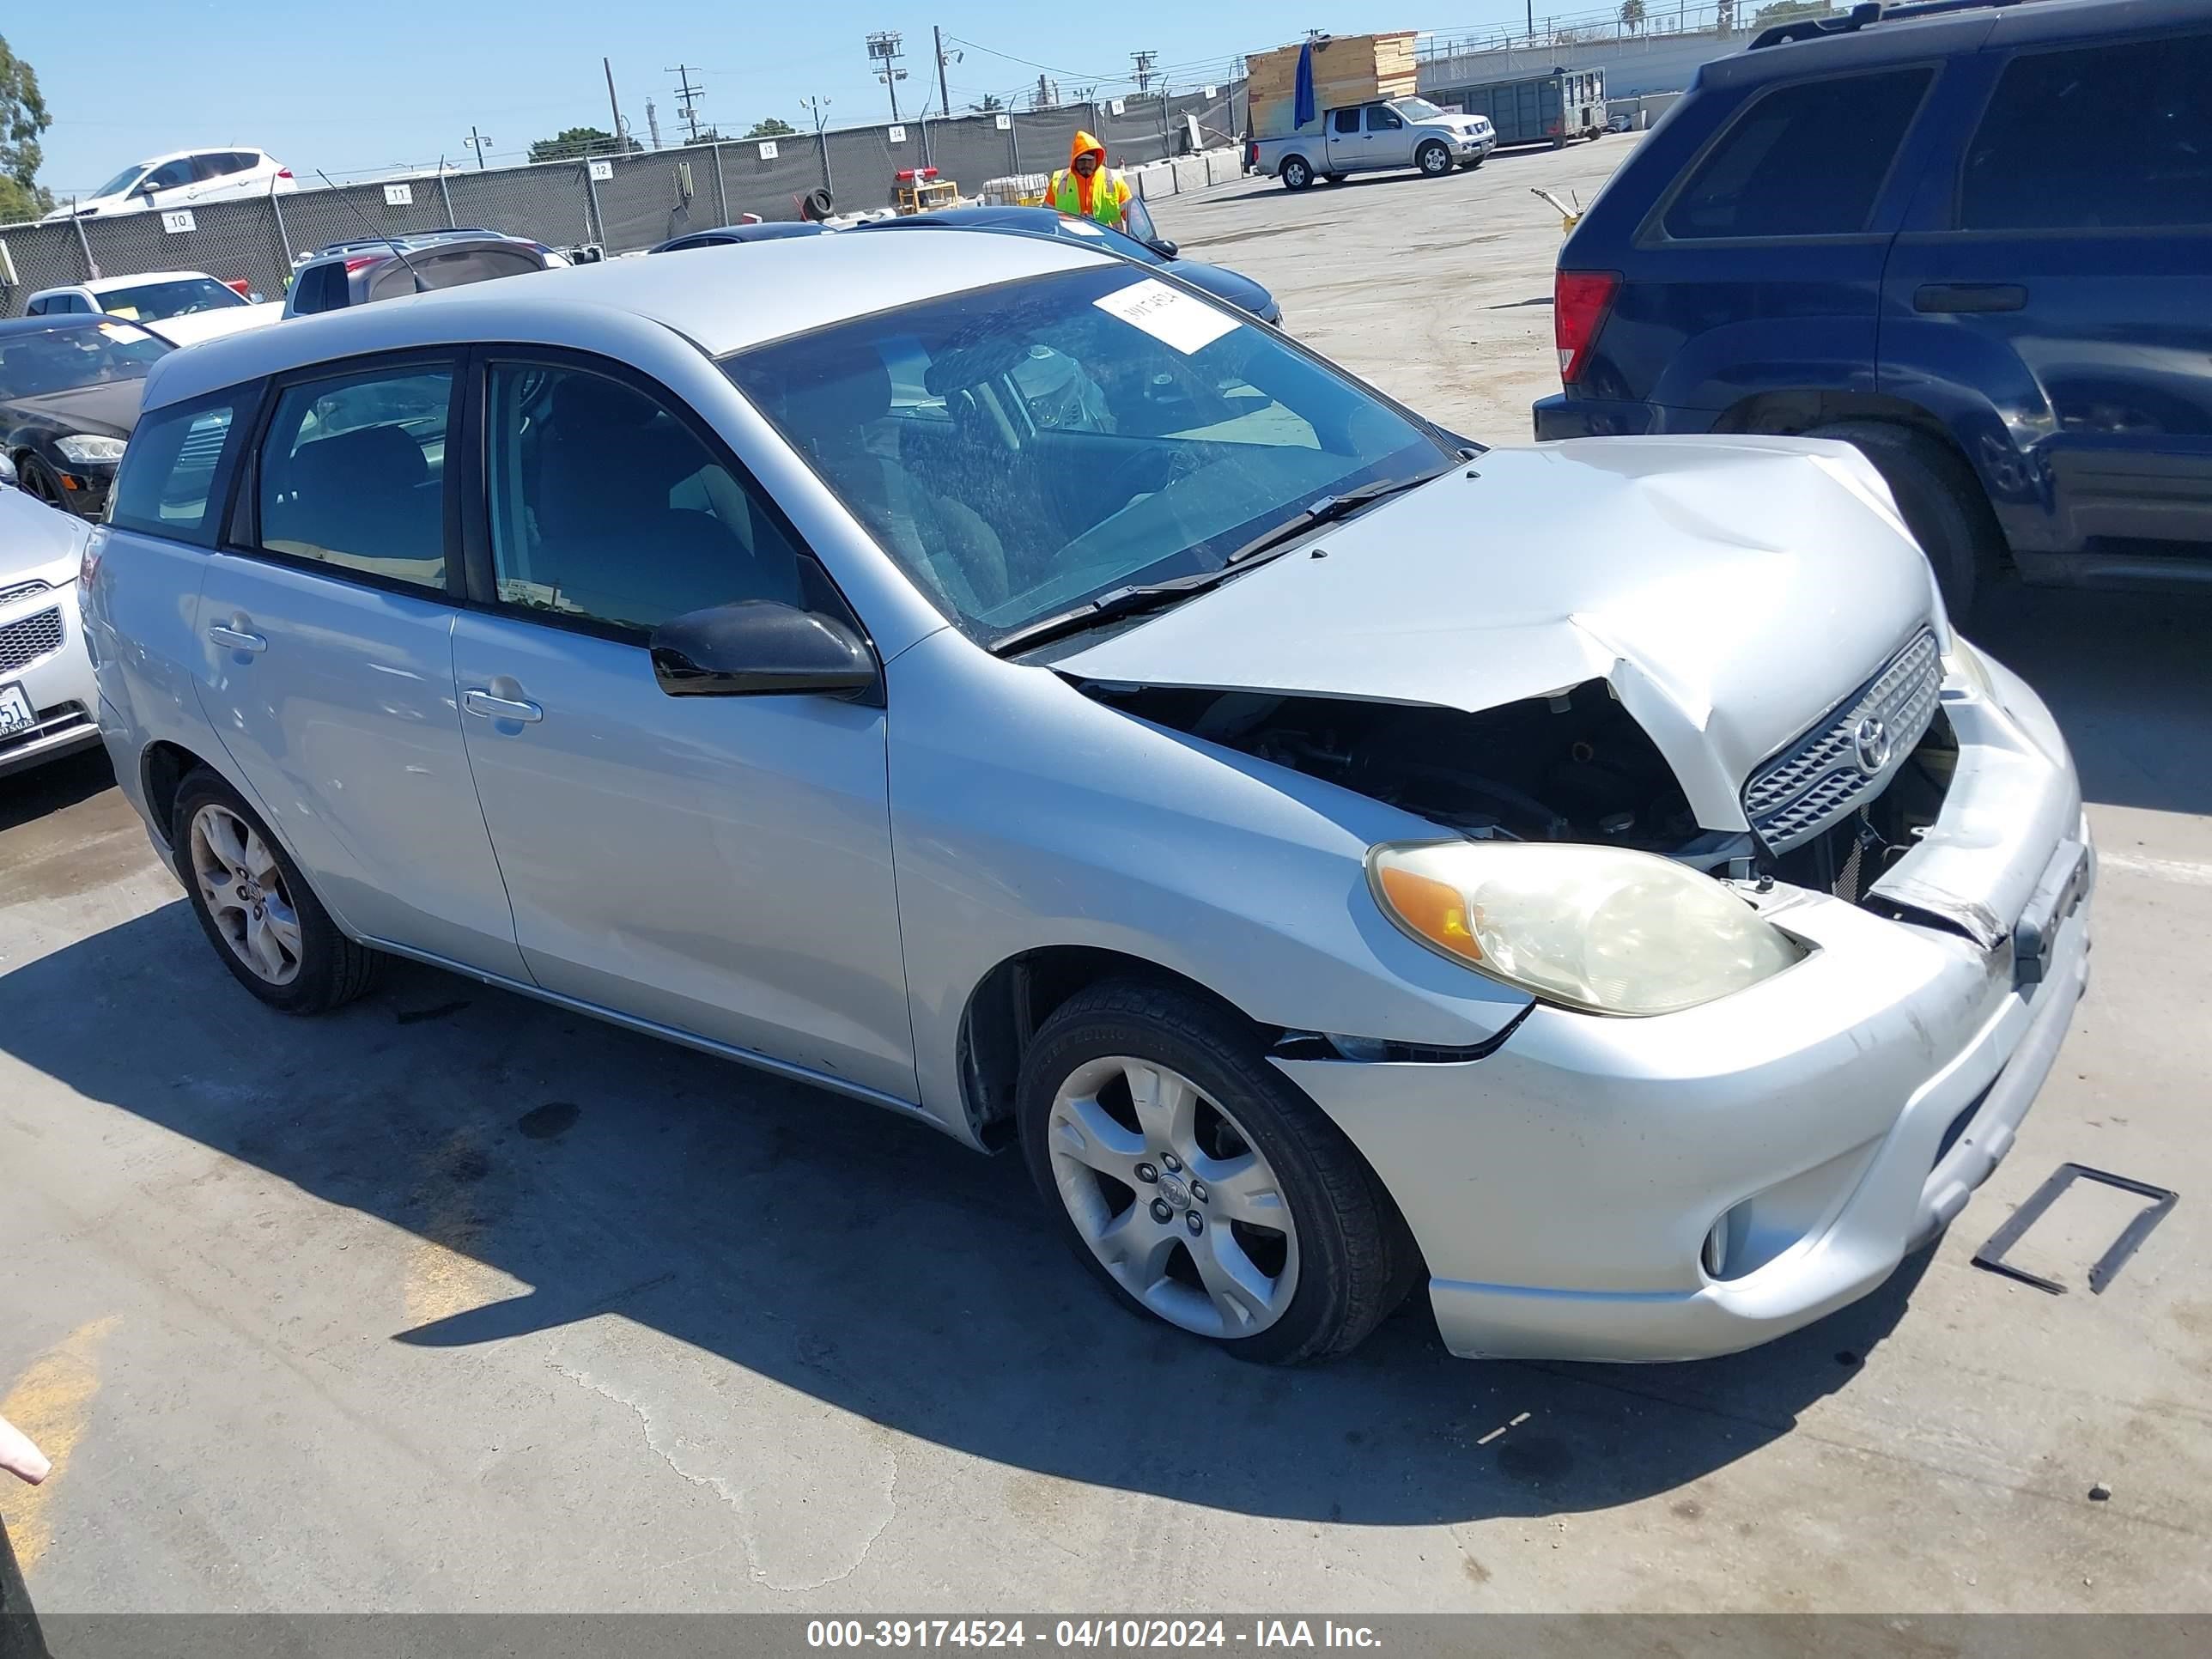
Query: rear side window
x,y
1346,120
167,481
1806,160
352,474
2095,138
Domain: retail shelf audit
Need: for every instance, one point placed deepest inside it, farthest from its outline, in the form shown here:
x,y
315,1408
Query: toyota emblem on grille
x,y
1872,741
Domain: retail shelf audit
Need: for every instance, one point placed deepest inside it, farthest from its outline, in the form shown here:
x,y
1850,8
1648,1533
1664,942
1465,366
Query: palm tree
x,y
1631,15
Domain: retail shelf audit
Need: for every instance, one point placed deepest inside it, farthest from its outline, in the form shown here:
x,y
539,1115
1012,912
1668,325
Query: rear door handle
x,y
1969,296
478,700
237,638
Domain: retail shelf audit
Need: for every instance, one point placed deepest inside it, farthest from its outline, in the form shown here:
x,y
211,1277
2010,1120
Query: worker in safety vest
x,y
1087,188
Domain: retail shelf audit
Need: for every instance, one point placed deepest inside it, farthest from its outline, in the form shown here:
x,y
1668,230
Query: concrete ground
x,y
453,1301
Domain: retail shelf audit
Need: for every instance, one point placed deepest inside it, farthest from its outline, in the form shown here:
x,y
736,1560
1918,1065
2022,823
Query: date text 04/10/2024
x,y
1086,1633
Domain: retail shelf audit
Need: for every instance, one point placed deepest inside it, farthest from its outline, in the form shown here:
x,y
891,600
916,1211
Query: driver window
x,y
168,176
1381,118
606,508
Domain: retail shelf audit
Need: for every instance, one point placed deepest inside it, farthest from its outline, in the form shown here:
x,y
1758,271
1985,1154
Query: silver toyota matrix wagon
x,y
988,678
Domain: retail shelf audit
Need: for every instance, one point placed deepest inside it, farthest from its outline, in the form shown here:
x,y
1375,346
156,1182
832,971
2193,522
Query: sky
x,y
356,90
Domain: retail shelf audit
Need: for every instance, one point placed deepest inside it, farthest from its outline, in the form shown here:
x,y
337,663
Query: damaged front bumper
x,y
1696,1184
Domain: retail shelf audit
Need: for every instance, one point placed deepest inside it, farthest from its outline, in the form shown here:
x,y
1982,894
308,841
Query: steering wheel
x,y
1182,462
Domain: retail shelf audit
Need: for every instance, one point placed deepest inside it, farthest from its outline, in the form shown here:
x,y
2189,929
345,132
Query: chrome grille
x,y
22,643
1822,775
21,591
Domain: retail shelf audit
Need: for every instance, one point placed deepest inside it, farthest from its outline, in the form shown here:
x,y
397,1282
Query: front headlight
x,y
82,449
1597,929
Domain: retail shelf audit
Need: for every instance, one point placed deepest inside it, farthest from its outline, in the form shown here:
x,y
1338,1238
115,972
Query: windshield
x,y
151,302
1417,109
80,355
122,181
1023,448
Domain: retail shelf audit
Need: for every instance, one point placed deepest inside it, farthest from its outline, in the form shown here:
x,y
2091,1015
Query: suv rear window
x,y
1803,160
319,287
2095,138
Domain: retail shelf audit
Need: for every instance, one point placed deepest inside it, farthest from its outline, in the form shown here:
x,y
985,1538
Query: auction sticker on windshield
x,y
1168,314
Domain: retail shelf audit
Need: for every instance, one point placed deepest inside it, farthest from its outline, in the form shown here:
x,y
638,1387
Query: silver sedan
x,y
991,679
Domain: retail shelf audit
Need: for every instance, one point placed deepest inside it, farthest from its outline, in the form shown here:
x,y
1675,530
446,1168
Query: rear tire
x,y
1295,174
1942,501
1434,161
255,907
1329,1257
1336,178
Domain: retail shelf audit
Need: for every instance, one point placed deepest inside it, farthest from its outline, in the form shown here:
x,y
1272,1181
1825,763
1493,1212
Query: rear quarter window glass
x,y
1804,160
2116,138
167,485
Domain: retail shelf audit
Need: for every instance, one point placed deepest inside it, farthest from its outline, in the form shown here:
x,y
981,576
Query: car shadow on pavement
x,y
49,788
847,1253
2129,677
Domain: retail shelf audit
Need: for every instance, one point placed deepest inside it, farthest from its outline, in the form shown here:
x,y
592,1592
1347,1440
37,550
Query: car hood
x,y
1731,591
1224,285
106,409
199,325
38,541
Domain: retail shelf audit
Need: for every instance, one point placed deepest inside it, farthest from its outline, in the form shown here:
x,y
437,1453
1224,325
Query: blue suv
x,y
1974,239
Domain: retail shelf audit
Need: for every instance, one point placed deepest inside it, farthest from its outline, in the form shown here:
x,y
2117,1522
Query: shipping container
x,y
1534,109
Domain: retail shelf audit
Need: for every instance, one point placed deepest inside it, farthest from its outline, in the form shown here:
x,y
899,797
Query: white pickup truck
x,y
1388,132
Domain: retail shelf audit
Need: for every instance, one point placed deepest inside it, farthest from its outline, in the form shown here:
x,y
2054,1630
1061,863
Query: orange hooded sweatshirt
x,y
1101,196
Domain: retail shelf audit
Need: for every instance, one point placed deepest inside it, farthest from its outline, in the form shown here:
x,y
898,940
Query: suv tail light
x,y
1252,154
359,261
284,172
1580,299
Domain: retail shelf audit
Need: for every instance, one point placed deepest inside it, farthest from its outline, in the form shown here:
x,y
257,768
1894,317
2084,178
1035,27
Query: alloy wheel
x,y
243,887
1173,1197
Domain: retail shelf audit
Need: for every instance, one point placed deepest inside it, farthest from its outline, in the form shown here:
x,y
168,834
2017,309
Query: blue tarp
x,y
1302,100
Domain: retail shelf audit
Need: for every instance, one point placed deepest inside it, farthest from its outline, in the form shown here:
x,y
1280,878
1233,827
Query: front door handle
x,y
1969,296
478,700
237,638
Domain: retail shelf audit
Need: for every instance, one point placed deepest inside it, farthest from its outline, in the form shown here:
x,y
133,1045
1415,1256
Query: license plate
x,y
16,714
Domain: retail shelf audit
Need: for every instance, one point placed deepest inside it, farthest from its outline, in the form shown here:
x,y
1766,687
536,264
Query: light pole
x,y
476,142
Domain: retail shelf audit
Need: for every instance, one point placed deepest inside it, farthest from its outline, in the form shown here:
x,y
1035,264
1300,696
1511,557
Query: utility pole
x,y
653,123
1532,18
1144,61
884,49
943,98
476,142
613,105
687,100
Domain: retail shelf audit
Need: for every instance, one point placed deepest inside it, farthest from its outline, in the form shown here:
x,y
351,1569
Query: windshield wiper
x,y
1127,601
1115,602
1329,508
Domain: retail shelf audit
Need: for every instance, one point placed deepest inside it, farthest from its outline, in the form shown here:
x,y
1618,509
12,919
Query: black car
x,y
731,235
69,390
1973,239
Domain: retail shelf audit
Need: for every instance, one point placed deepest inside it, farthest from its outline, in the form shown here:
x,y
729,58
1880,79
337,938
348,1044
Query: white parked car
x,y
183,179
181,307
48,700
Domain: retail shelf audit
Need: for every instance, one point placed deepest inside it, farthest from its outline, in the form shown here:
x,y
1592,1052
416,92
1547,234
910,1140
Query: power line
x,y
884,48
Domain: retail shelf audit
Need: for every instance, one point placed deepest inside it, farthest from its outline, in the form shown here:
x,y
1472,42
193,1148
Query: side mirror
x,y
758,648
1161,245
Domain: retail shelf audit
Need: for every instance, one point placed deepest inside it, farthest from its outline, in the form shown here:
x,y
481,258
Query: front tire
x,y
1434,160
1199,1184
40,481
1296,174
1942,501
255,907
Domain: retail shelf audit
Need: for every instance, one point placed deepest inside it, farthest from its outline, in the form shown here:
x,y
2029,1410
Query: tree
x,y
1785,11
771,128
1631,15
989,102
22,118
571,144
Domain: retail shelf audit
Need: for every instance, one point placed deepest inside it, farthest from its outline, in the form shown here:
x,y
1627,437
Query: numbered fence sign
x,y
898,135
399,196
177,223
1117,108
1004,123
603,170
768,149
1210,92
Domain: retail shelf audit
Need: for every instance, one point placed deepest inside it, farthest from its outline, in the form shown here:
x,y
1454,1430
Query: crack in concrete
x,y
738,1498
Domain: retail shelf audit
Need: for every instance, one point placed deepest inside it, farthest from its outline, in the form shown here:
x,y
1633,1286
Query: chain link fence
x,y
622,203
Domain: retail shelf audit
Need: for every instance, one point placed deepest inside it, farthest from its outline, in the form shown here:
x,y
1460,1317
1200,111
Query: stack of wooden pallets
x,y
1347,69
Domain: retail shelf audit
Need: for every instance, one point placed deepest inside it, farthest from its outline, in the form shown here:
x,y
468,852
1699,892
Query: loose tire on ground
x,y
1942,501
1354,1259
327,969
